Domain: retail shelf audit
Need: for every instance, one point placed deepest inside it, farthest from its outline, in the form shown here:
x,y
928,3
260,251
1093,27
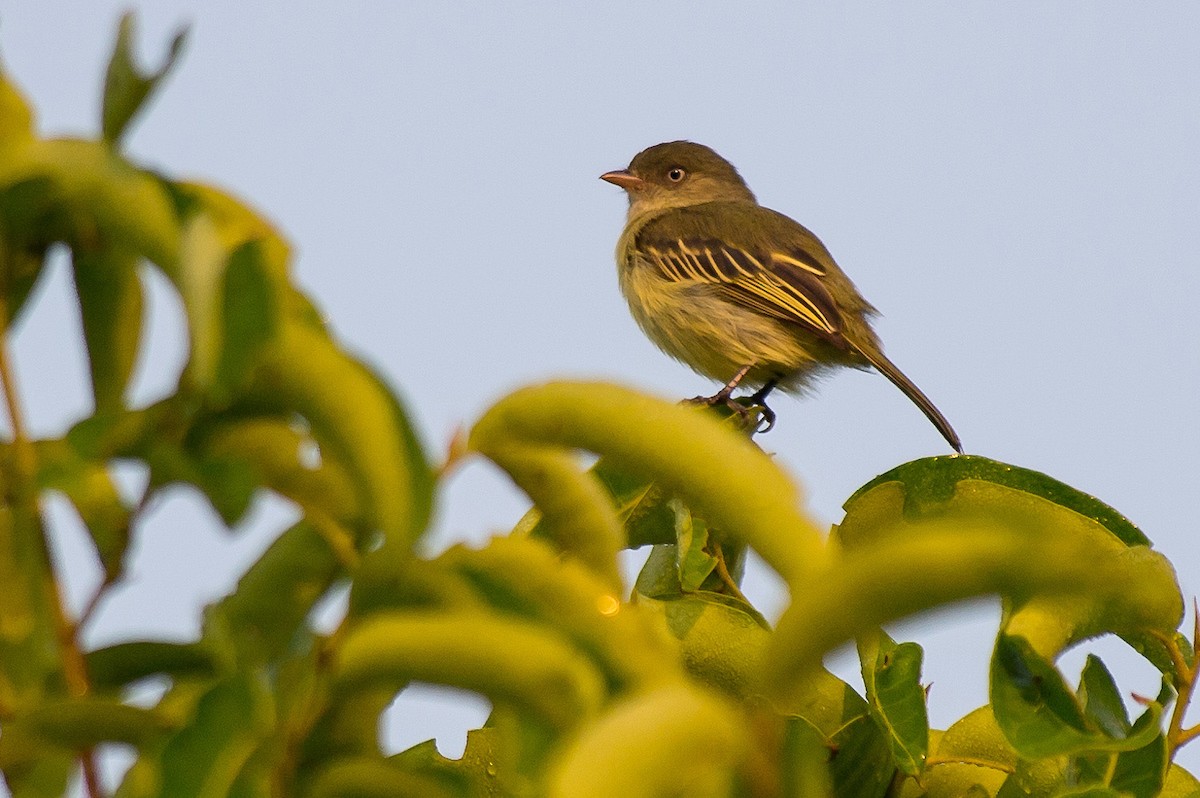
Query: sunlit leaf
x,y
644,745
722,640
16,117
504,659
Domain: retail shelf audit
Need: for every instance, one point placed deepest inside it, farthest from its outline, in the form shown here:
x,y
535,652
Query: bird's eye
x,y
676,175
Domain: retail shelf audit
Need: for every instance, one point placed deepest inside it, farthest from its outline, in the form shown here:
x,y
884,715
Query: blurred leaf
x,y
670,741
347,727
1039,712
527,579
110,302
362,777
353,415
80,723
284,458
91,194
275,596
476,773
249,315
16,117
90,488
575,514
29,652
203,261
892,676
204,758
29,223
717,472
114,667
502,658
125,86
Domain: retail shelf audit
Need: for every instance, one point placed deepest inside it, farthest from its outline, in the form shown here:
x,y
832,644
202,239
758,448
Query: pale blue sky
x,y
1015,185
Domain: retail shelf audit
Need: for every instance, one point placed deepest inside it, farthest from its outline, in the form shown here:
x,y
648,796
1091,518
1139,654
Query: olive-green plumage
x,y
732,288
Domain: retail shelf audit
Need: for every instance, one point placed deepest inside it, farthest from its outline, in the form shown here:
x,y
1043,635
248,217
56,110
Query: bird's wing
x,y
784,283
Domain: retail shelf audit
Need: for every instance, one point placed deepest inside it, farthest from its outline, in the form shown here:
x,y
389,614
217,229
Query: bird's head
x,y
678,174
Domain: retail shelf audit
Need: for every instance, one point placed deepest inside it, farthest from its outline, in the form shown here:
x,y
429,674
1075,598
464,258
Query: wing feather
x,y
783,285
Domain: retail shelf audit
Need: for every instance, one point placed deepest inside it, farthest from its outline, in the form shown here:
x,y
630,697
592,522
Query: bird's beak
x,y
624,179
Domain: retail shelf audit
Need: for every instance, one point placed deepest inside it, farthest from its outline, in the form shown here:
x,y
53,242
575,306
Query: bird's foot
x,y
759,400
752,413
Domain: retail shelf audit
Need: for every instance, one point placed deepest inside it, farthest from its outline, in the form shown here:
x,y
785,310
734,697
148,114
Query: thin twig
x,y
25,469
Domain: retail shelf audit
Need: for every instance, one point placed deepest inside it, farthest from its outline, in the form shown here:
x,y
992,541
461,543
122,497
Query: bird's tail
x,y
888,369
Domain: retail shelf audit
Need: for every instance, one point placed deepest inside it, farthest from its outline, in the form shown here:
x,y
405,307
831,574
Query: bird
x,y
740,293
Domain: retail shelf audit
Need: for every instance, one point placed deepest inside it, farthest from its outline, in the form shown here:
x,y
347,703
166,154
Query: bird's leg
x,y
721,397
742,408
759,399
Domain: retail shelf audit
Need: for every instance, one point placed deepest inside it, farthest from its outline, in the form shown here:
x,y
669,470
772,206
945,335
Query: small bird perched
x,y
737,291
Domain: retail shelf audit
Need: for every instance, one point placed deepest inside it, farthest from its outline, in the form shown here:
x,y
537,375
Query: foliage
x,y
683,689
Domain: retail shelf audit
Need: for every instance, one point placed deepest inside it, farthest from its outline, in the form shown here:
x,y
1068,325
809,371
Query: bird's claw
x,y
741,408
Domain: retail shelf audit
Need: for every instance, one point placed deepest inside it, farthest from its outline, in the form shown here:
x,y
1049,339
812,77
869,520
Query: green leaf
x,y
858,753
1141,772
30,220
1101,699
1180,784
502,658
353,415
892,676
717,472
363,777
90,488
695,563
722,640
932,482
204,758
805,756
275,596
114,667
277,450
642,746
1140,596
250,316
29,650
80,723
16,117
529,580
125,86
1040,714
640,504
110,303
971,753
